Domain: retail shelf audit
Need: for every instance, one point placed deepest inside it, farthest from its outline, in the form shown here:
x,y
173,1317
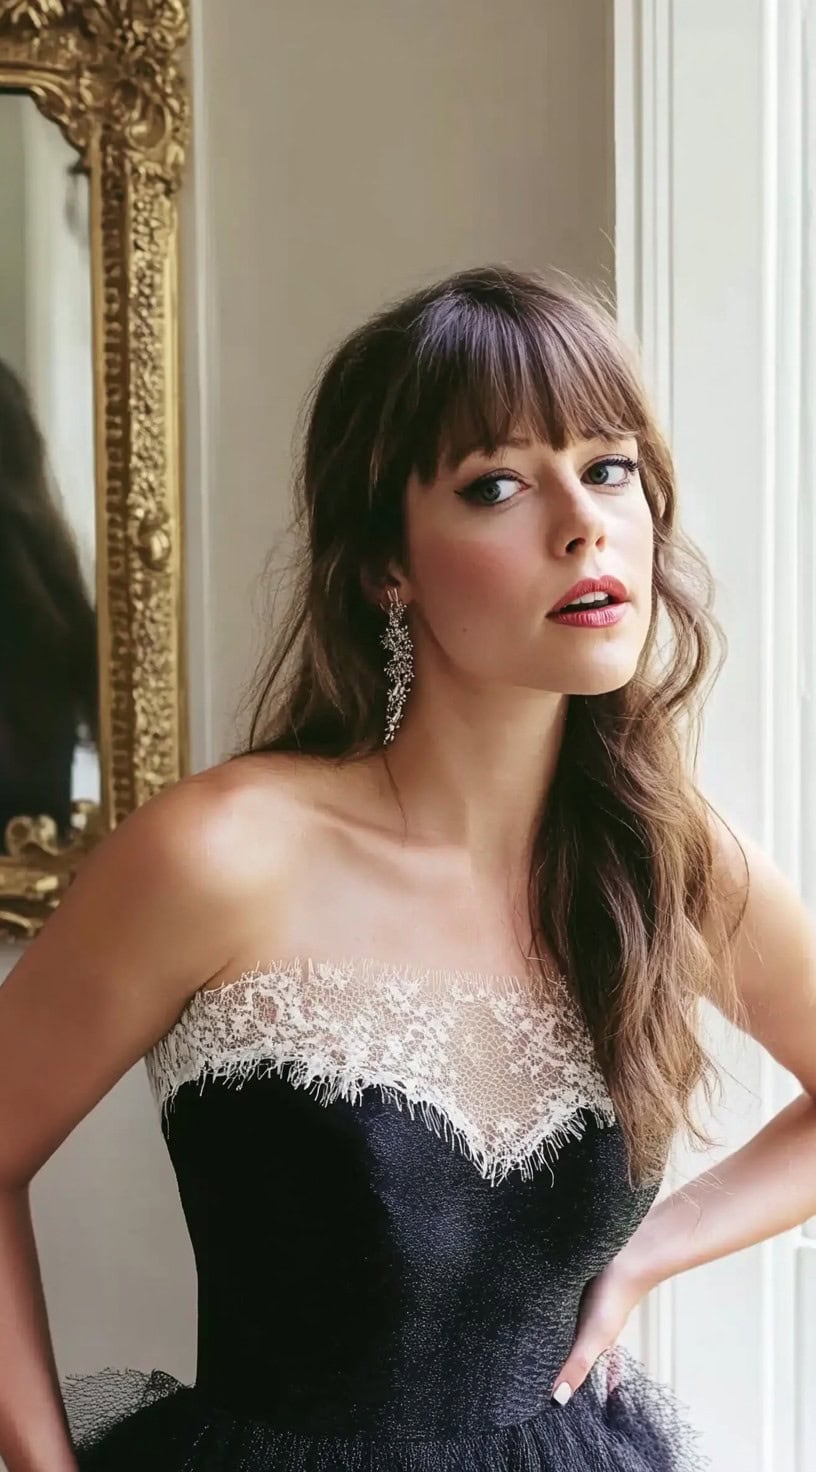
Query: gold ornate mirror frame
x,y
106,71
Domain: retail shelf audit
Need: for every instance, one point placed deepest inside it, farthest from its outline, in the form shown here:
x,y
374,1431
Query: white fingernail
x,y
562,1393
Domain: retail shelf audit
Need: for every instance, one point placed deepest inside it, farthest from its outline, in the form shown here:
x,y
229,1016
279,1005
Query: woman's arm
x,y
769,1185
33,1436
154,912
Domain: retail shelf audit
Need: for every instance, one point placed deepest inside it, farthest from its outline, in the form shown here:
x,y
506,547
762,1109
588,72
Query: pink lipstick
x,y
591,603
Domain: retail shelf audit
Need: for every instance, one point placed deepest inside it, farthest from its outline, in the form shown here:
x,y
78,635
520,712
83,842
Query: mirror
x,y
94,123
49,708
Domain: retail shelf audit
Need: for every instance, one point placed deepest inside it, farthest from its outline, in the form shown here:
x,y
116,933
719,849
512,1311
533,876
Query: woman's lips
x,y
591,618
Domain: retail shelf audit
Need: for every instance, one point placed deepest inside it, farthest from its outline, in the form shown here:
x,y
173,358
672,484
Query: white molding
x,y
200,357
807,484
792,307
650,137
644,129
781,588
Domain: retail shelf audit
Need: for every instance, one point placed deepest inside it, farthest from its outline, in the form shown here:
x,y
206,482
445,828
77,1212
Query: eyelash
x,y
470,493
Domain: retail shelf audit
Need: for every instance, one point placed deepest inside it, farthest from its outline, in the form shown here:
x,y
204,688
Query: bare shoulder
x,y
256,797
773,935
162,886
155,910
168,890
272,803
211,829
746,879
731,873
249,825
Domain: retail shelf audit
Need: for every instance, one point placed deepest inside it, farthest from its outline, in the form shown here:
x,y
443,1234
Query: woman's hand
x,y
606,1304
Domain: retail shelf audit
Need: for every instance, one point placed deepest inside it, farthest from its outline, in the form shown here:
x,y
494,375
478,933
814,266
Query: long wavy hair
x,y
622,889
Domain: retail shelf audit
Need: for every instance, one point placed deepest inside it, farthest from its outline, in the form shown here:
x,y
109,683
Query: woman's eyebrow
x,y
516,442
520,442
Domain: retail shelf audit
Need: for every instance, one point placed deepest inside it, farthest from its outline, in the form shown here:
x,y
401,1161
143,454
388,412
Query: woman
x,y
417,973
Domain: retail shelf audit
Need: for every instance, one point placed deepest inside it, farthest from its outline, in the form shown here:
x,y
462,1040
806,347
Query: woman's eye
x,y
486,491
617,462
482,489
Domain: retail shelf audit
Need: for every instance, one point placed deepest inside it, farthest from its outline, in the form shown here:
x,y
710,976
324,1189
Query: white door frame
x,y
713,103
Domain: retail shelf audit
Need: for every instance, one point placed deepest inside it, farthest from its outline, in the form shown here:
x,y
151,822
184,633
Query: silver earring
x,y
400,667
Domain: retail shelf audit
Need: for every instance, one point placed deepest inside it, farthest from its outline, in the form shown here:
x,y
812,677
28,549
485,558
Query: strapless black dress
x,y
397,1185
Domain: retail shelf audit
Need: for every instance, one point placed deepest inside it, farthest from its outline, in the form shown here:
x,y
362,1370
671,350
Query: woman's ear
x,y
375,585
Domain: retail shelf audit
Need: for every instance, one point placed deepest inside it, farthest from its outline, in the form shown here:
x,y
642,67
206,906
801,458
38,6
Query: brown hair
x,y
622,885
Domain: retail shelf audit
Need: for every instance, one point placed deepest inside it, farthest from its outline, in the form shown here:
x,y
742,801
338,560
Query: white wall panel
x,y
716,278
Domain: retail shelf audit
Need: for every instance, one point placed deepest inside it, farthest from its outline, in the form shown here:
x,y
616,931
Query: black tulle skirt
x,y
619,1420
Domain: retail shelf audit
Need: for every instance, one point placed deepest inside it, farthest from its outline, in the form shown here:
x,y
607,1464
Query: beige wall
x,y
343,154
349,152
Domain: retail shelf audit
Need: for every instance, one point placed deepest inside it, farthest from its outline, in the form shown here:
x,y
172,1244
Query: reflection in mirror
x,y
48,637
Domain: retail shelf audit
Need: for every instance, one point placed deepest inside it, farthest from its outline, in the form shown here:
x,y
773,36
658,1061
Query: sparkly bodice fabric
x,y
397,1184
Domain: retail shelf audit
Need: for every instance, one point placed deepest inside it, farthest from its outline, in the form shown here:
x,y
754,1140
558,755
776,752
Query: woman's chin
x,y
600,680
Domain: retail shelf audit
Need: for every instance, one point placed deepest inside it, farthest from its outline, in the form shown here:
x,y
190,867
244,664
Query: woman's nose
x,y
575,522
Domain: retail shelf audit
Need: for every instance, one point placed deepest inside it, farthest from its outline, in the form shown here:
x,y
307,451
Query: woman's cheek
x,y
463,577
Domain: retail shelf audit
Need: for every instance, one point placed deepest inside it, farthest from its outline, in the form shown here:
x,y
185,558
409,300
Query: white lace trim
x,y
496,1066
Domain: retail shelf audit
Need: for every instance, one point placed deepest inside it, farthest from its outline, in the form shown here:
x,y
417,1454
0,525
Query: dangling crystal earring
x,y
400,667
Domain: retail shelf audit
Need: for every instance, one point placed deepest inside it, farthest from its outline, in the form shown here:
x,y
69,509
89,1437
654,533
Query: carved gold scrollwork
x,y
106,71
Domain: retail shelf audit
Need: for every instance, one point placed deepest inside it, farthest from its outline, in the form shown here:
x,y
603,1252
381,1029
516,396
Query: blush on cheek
x,y
468,574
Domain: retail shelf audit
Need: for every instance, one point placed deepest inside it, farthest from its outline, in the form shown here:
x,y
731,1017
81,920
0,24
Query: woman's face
x,y
494,544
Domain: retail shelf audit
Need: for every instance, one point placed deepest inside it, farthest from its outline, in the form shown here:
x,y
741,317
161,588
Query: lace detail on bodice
x,y
500,1065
